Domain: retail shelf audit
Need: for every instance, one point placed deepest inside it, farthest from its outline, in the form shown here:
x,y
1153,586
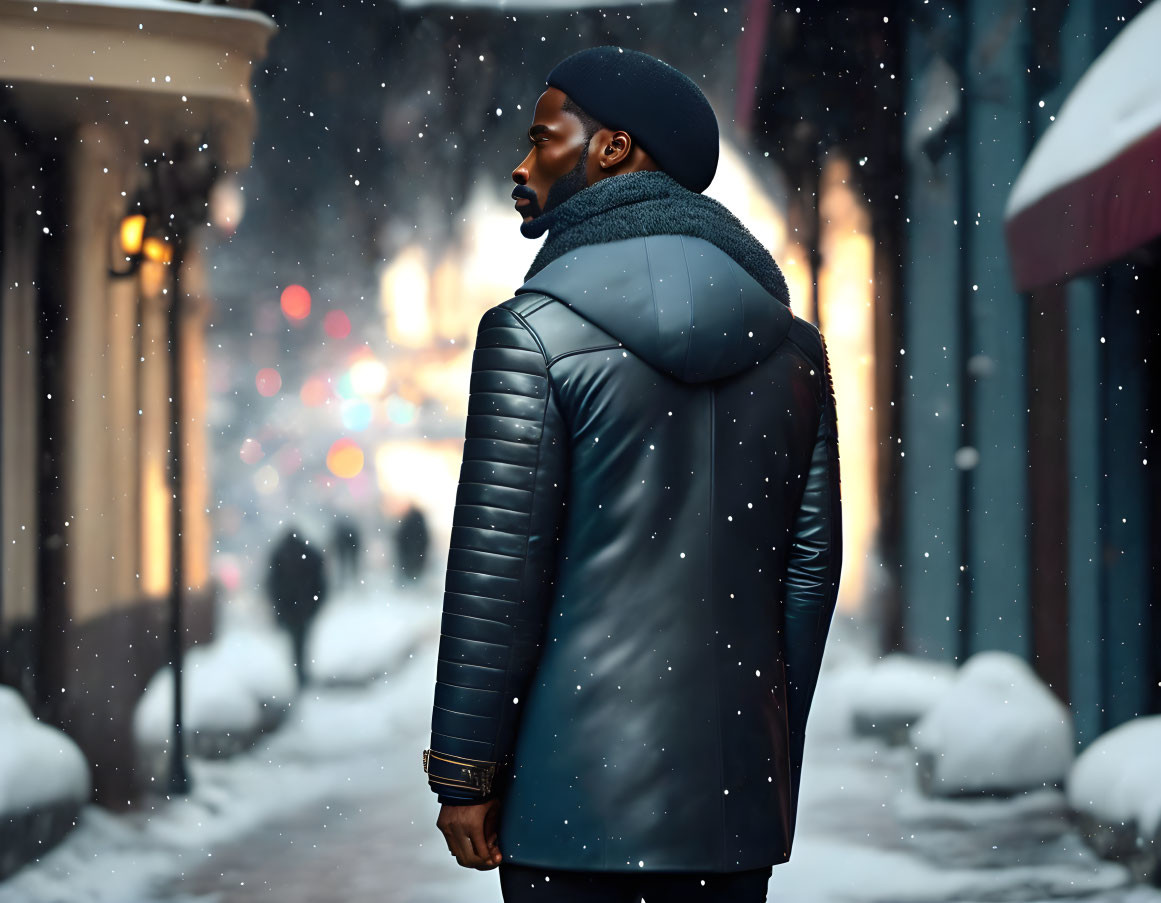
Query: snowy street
x,y
673,344
333,806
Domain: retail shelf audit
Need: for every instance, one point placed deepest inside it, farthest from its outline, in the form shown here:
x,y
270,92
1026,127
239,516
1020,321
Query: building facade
x,y
108,111
1018,502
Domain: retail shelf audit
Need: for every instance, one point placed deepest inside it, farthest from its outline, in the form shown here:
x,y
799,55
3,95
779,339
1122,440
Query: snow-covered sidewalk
x,y
335,741
334,806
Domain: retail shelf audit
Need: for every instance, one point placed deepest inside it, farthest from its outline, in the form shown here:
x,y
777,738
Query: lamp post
x,y
156,228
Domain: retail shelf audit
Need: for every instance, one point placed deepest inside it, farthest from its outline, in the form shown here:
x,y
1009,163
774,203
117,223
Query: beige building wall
x,y
88,527
124,483
155,564
196,523
19,400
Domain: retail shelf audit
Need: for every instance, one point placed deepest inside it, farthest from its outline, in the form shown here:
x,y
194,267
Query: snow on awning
x,y
530,6
1090,191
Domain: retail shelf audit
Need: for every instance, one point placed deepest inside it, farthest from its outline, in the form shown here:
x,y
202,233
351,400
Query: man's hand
x,y
471,833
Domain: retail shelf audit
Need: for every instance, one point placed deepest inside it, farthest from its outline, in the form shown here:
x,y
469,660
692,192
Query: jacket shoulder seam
x,y
573,351
532,332
527,303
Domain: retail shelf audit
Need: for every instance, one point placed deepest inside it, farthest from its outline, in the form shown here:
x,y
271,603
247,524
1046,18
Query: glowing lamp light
x,y
132,234
314,392
368,377
295,302
356,415
268,382
345,459
337,324
157,249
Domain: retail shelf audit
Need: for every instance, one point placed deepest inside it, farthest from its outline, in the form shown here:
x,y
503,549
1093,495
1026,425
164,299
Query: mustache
x,y
523,191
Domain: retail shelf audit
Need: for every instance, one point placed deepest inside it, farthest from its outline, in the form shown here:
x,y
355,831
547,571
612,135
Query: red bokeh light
x,y
296,302
251,451
314,392
337,324
268,382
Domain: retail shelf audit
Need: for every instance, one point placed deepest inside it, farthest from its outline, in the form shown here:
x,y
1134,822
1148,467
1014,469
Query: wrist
x,y
457,776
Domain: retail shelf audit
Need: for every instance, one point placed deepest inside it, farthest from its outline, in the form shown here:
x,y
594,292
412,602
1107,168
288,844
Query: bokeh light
x,y
368,377
296,302
228,570
315,392
268,382
337,324
345,459
266,479
251,452
227,204
400,410
356,415
344,387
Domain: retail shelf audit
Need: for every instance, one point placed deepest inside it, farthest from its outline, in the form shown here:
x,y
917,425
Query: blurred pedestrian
x,y
296,586
411,541
646,542
346,544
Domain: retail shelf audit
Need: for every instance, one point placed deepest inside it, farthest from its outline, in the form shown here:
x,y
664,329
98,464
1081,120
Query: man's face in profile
x,y
556,166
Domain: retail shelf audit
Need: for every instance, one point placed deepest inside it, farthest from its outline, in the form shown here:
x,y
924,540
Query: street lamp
x,y
139,239
155,228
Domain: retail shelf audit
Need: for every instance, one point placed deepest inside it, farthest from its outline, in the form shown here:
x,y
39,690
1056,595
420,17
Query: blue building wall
x,y
965,526
995,86
930,381
964,382
1084,465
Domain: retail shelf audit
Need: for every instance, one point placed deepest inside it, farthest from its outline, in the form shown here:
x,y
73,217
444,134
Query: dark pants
x,y
520,883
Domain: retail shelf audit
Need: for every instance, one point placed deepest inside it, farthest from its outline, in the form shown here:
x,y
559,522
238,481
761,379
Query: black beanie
x,y
660,107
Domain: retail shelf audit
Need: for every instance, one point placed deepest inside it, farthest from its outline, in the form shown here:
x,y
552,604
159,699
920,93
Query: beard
x,y
562,189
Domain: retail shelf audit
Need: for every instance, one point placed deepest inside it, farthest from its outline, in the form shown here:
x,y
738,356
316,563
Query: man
x,y
411,539
347,543
296,585
646,541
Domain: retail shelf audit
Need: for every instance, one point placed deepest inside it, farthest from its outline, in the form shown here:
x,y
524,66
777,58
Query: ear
x,y
615,150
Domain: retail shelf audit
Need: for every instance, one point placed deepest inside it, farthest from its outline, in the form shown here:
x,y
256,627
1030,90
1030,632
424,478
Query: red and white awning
x,y
1090,191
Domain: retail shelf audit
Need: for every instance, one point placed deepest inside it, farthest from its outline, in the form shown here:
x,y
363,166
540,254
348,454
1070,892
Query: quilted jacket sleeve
x,y
501,561
812,578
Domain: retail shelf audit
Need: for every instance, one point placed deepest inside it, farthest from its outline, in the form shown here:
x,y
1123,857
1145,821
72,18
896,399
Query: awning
x,y
1090,191
529,6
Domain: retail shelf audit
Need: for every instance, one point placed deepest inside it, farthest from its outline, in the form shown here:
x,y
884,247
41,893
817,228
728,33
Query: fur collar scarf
x,y
650,202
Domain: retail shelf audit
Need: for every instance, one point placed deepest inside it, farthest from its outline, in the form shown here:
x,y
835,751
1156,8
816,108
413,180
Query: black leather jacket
x,y
644,564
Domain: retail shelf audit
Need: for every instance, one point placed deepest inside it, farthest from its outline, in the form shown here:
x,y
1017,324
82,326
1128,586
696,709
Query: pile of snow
x,y
896,692
39,765
1117,779
229,687
997,729
846,664
356,639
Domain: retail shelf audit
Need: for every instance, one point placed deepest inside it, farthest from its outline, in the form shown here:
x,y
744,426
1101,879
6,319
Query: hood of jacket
x,y
679,302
